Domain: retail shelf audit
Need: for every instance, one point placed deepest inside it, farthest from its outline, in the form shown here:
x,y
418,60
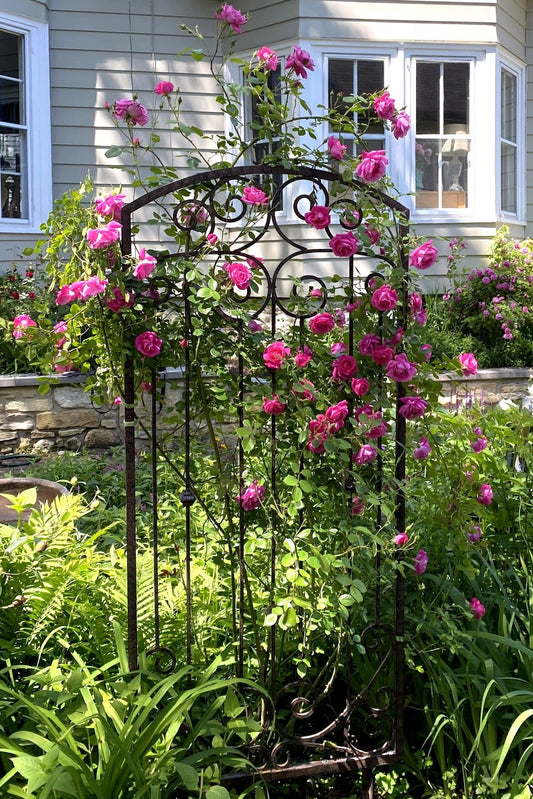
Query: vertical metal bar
x,y
242,564
131,542
155,516
273,519
187,496
368,784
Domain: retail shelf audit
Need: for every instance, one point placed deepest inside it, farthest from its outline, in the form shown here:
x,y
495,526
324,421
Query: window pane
x,y
11,156
340,80
441,172
427,98
10,101
508,178
370,79
508,111
11,55
456,96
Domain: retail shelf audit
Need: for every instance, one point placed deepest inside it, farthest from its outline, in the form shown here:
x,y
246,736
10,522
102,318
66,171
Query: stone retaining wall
x,y
65,417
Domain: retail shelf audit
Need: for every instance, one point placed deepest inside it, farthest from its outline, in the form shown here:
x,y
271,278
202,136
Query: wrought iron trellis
x,y
335,727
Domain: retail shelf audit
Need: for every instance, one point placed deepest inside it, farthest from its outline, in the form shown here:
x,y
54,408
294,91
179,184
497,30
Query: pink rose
x,y
212,239
110,206
302,391
239,274
65,295
273,406
254,196
300,61
268,58
382,354
423,450
384,106
145,265
83,289
468,363
368,343
413,407
344,244
416,302
338,348
479,444
336,415
365,454
401,539
251,498
400,369
322,323
424,256
477,608
20,325
99,238
475,535
164,87
118,301
319,430
131,111
400,125
360,386
303,357
372,166
231,16
358,506
148,343
336,149
484,496
344,367
421,562
275,354
319,217
373,234
384,299
426,349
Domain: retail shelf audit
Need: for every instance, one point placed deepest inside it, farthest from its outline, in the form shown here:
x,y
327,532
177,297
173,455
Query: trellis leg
x,y
368,784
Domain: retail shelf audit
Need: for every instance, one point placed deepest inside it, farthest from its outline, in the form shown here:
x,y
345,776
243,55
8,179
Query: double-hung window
x,y
348,76
25,161
511,139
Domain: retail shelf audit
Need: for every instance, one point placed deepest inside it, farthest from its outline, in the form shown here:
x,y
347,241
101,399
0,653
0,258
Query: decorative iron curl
x,y
158,653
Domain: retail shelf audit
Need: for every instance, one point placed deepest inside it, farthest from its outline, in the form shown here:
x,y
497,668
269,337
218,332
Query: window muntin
x,y
442,134
346,77
13,130
509,142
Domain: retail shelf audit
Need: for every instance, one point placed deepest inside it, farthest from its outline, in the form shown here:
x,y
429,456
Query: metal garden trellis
x,y
335,727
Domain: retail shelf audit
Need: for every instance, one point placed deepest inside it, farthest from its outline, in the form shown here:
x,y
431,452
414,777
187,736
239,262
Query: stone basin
x,y
47,491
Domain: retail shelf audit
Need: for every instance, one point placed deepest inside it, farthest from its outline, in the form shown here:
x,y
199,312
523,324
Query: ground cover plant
x,y
331,390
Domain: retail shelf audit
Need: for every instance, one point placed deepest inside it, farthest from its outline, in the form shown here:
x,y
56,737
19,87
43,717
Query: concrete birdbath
x,y
46,490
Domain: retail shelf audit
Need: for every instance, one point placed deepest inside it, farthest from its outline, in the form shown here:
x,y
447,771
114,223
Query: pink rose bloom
x,y
373,234
65,295
251,498
321,323
148,343
475,535
273,406
319,217
372,166
336,415
164,87
426,349
239,274
131,111
83,289
484,496
254,326
336,149
344,367
118,301
300,61
110,206
62,368
231,16
254,196
413,407
368,343
400,125
358,506
382,354
479,444
99,238
421,562
365,454
344,244
338,348
423,450
303,357
401,539
421,317
275,354
212,238
303,390
268,58
424,256
360,386
384,299
397,337
319,430
400,369
384,106
20,325
416,302
477,608
316,293
145,265
468,363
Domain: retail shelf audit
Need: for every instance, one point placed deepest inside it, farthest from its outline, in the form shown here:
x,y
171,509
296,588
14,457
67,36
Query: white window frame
x,y
36,87
517,69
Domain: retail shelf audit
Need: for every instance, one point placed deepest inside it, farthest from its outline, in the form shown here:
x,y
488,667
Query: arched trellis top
x,y
324,728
